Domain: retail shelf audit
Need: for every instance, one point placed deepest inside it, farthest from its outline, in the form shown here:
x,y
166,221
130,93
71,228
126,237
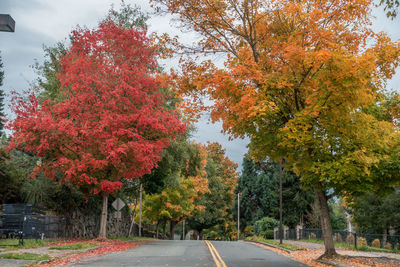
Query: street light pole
x,y
280,202
238,218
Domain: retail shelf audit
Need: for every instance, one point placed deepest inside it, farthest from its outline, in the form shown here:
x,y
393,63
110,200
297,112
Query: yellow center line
x,y
214,253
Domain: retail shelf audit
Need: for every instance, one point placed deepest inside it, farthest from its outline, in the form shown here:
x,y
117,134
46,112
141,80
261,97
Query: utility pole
x,y
238,218
140,208
280,202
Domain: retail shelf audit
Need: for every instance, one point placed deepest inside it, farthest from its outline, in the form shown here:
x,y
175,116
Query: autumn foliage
x,y
297,78
111,125
112,122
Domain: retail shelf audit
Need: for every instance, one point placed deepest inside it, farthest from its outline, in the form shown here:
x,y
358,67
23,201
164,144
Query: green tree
x,y
375,214
10,182
338,214
182,175
259,186
391,7
296,77
255,186
127,17
172,165
222,179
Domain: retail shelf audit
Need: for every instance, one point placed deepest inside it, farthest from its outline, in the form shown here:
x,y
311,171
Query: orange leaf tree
x,y
295,80
112,123
184,186
222,179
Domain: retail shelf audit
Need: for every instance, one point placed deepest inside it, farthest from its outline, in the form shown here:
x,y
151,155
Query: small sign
x,y
117,215
118,204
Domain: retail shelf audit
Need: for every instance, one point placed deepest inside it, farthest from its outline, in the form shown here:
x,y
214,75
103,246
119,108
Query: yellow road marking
x,y
214,253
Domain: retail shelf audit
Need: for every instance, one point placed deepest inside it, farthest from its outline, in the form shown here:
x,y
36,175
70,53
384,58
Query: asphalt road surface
x,y
193,253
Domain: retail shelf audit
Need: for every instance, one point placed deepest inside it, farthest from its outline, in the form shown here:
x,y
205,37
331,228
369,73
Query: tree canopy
x,y
296,77
259,187
110,123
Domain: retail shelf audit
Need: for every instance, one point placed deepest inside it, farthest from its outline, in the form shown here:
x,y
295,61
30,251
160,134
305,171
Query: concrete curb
x,y
269,245
94,248
328,263
47,261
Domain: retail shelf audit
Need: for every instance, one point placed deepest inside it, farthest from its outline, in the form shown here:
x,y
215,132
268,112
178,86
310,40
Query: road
x,y
193,253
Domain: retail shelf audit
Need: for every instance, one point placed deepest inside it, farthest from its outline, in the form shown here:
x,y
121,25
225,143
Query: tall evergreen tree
x,y
259,187
374,214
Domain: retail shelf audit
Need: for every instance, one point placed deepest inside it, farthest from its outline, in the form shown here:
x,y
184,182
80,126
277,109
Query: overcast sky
x,y
45,22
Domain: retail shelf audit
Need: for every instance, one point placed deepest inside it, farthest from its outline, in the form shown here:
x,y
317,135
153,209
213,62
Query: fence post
x,y
355,240
276,230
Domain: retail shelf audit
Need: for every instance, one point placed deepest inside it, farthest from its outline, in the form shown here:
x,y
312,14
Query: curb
x,y
90,249
328,263
269,245
47,261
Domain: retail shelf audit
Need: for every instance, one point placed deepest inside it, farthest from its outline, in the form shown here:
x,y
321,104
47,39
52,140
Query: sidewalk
x,y
53,253
70,254
341,251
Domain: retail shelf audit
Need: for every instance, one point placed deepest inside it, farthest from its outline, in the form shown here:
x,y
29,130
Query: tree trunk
x,y
103,219
183,230
384,238
158,224
325,222
165,227
140,209
171,229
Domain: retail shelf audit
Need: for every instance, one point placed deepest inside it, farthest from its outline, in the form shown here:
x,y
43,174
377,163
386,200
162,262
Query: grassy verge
x,y
75,246
276,243
25,256
374,249
12,244
347,246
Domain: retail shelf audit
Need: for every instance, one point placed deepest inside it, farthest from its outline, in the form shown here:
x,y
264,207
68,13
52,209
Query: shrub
x,y
265,224
361,241
268,234
312,236
376,243
248,231
350,239
388,246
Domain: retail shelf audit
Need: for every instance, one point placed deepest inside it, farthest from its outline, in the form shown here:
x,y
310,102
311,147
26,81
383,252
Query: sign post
x,y
118,204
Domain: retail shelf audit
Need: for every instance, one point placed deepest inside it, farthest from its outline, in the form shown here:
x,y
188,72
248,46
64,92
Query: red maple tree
x,y
113,122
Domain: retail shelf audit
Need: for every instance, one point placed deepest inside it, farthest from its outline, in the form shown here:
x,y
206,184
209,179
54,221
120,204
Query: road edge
x,y
268,245
265,246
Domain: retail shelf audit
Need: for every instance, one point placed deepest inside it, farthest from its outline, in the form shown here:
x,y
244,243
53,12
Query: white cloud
x,y
47,21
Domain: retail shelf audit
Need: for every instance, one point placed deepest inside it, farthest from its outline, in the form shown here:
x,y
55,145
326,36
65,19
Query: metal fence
x,y
32,226
342,236
29,221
